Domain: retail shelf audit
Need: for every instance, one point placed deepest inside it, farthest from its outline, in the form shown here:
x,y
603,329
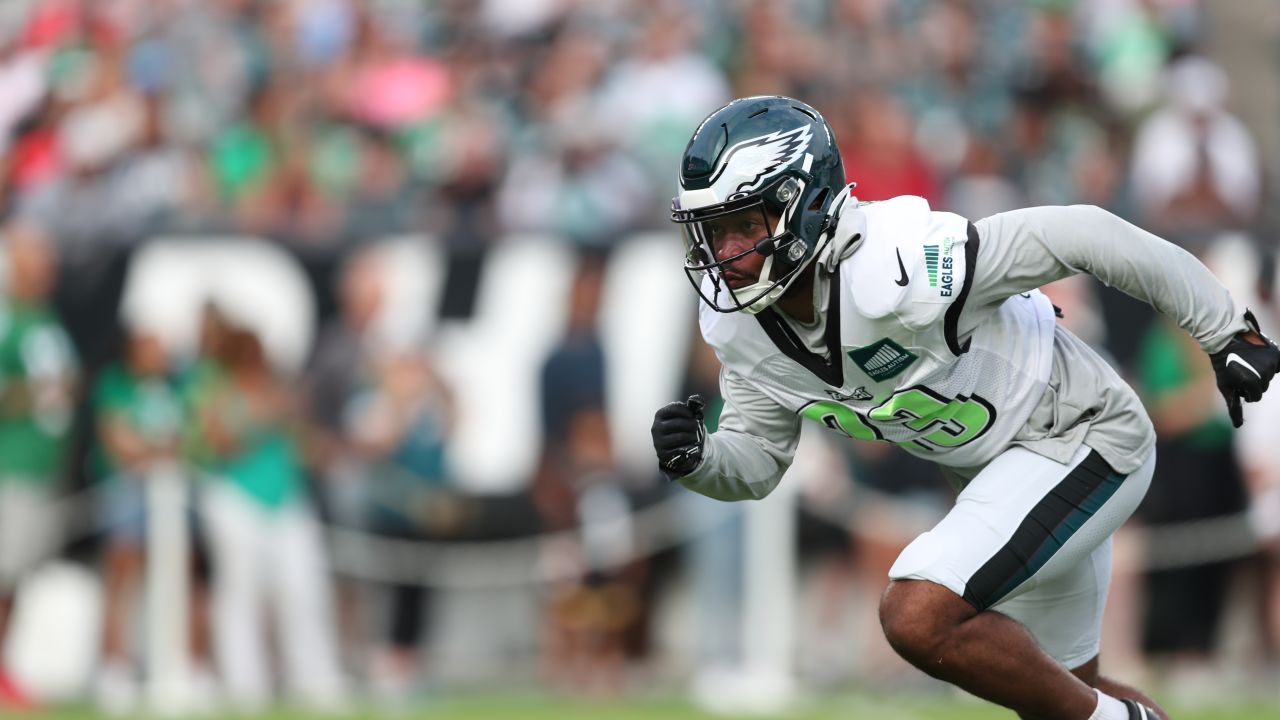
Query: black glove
x,y
1244,368
679,436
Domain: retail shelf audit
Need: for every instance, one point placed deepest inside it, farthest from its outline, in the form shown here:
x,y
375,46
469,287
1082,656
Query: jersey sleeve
x,y
752,447
1025,249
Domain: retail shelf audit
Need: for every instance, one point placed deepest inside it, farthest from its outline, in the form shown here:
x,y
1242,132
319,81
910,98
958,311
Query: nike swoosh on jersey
x,y
1232,357
903,280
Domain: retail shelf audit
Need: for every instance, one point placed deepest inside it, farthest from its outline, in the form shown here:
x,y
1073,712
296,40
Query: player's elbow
x,y
758,490
728,489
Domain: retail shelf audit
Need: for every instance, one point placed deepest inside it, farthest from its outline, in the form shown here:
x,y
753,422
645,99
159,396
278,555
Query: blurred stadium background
x,y
332,331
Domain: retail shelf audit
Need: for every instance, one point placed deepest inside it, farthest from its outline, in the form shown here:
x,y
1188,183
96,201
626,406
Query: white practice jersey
x,y
932,336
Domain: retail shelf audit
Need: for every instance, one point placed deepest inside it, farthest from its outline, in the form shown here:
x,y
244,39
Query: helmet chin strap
x,y
761,287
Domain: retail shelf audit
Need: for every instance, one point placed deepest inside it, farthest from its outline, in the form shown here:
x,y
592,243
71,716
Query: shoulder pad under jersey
x,y
911,263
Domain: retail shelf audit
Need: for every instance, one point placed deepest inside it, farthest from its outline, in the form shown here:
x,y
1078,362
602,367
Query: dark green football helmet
x,y
770,155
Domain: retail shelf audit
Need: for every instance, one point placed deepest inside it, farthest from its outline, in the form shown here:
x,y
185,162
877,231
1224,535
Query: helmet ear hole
x,y
819,200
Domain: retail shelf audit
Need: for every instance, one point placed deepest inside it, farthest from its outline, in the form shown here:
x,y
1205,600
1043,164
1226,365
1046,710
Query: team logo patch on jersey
x,y
882,359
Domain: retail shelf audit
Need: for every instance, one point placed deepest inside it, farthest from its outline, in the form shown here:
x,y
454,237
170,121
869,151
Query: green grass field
x,y
853,707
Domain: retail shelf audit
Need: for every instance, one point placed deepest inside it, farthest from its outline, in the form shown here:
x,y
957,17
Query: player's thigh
x,y
1064,612
1062,603
1023,520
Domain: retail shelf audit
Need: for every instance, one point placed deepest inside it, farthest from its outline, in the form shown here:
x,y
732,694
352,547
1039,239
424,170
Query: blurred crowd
x,y
323,126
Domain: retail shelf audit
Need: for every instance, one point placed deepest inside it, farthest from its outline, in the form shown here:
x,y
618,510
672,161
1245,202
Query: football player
x,y
889,321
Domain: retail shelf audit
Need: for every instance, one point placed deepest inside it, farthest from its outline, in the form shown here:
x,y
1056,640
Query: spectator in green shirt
x,y
264,539
138,420
1184,606
38,374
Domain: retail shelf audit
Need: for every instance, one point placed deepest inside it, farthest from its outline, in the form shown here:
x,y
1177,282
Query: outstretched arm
x,y
1027,248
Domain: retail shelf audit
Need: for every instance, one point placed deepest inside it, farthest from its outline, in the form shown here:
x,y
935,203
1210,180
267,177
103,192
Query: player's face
x,y
736,234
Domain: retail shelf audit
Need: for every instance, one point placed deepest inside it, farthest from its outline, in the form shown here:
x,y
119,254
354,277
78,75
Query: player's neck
x,y
797,302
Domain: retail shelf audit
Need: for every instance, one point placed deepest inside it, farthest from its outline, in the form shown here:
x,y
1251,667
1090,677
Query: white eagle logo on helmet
x,y
751,162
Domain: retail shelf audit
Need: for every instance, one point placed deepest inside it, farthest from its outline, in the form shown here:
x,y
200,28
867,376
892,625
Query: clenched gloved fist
x,y
1245,367
679,436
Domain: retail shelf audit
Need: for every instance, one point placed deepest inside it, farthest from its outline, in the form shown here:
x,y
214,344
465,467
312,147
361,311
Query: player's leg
x,y
1024,520
1064,613
985,653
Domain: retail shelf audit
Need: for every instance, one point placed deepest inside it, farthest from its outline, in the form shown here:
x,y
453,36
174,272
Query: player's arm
x,y
1025,249
1028,248
746,456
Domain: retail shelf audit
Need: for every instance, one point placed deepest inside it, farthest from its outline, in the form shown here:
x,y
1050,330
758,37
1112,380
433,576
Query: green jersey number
x,y
945,423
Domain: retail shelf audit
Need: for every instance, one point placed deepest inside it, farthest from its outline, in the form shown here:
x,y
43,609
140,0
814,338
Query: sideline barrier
x,y
658,527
